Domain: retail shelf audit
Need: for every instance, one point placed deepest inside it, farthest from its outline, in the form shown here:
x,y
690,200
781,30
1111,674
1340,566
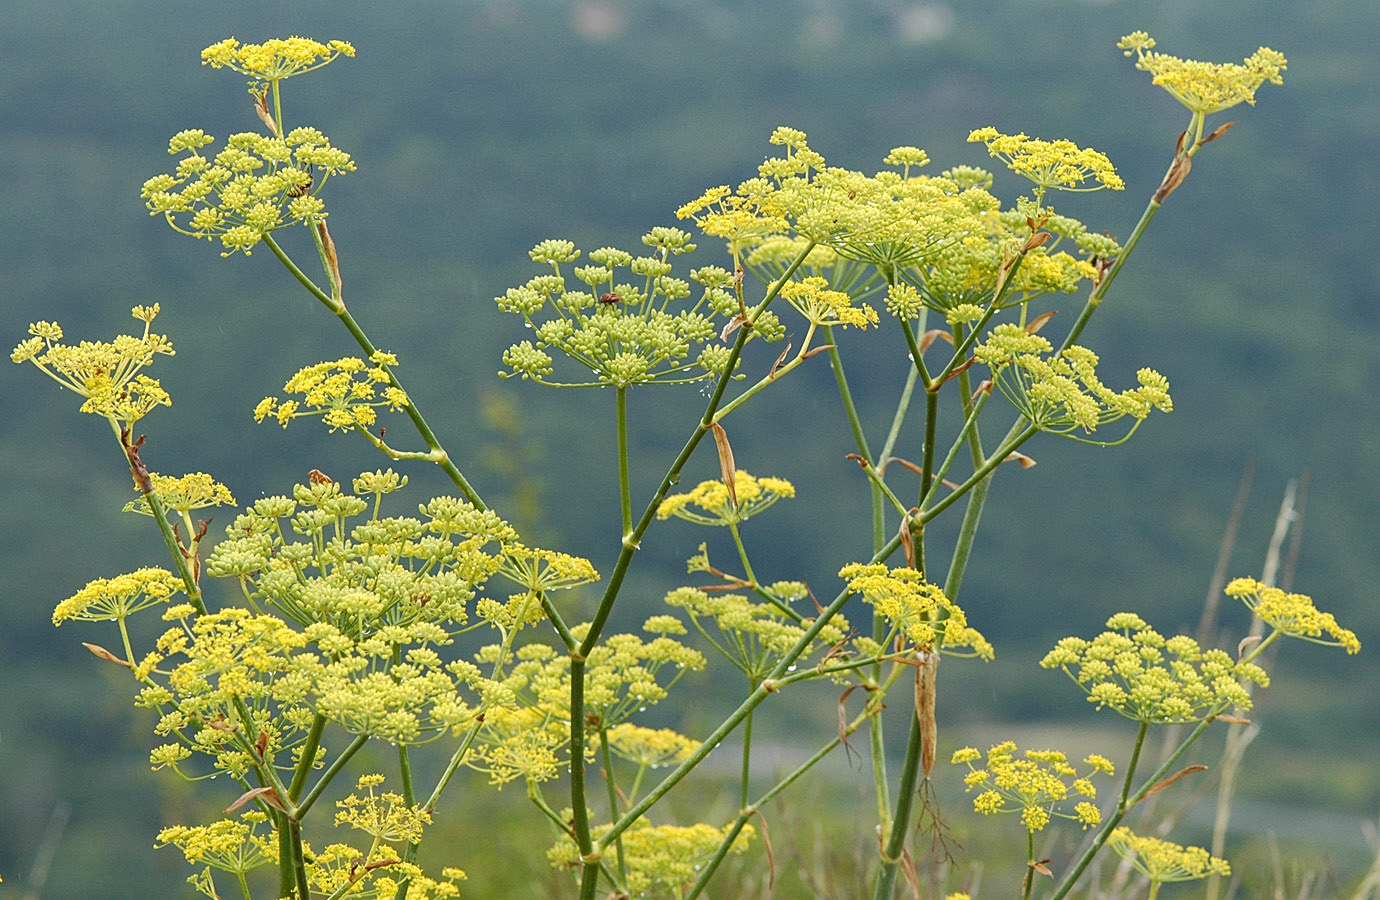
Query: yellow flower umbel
x,y
1139,674
1036,784
254,186
276,59
813,299
1162,861
642,330
1061,165
1293,615
918,611
345,393
230,845
115,599
753,636
108,375
1061,394
715,505
386,817
1203,87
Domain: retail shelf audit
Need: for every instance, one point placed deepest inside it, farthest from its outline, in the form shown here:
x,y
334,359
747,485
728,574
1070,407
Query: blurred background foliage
x,y
480,128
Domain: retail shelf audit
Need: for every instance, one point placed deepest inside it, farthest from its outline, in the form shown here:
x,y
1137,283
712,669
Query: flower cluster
x,y
753,636
1061,165
254,186
918,611
107,374
115,599
1138,673
1293,614
537,571
182,495
276,59
660,860
340,870
1033,784
1204,87
345,393
236,846
1163,861
711,503
650,748
630,332
385,817
813,299
1061,393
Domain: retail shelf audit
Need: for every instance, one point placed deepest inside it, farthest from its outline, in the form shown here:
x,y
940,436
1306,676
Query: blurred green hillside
x,y
480,128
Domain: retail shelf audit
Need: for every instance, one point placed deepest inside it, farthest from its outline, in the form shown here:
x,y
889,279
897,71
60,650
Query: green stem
x,y
1029,881
631,540
905,795
308,757
329,775
624,488
1126,802
612,785
410,798
453,765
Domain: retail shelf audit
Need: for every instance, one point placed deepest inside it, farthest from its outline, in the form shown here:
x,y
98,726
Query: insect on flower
x,y
610,298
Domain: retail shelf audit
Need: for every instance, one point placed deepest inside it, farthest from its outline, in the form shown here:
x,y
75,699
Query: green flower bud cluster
x,y
634,331
1139,674
1062,393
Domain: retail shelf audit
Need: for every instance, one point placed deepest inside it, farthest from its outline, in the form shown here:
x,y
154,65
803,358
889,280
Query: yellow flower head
x,y
1293,614
1141,675
275,59
812,299
1062,165
195,491
715,506
1205,87
659,859
918,611
107,599
1034,784
385,816
346,393
650,747
108,375
1163,861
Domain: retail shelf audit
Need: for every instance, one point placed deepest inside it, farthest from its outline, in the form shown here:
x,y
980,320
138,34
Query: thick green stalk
x,y
308,758
895,845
